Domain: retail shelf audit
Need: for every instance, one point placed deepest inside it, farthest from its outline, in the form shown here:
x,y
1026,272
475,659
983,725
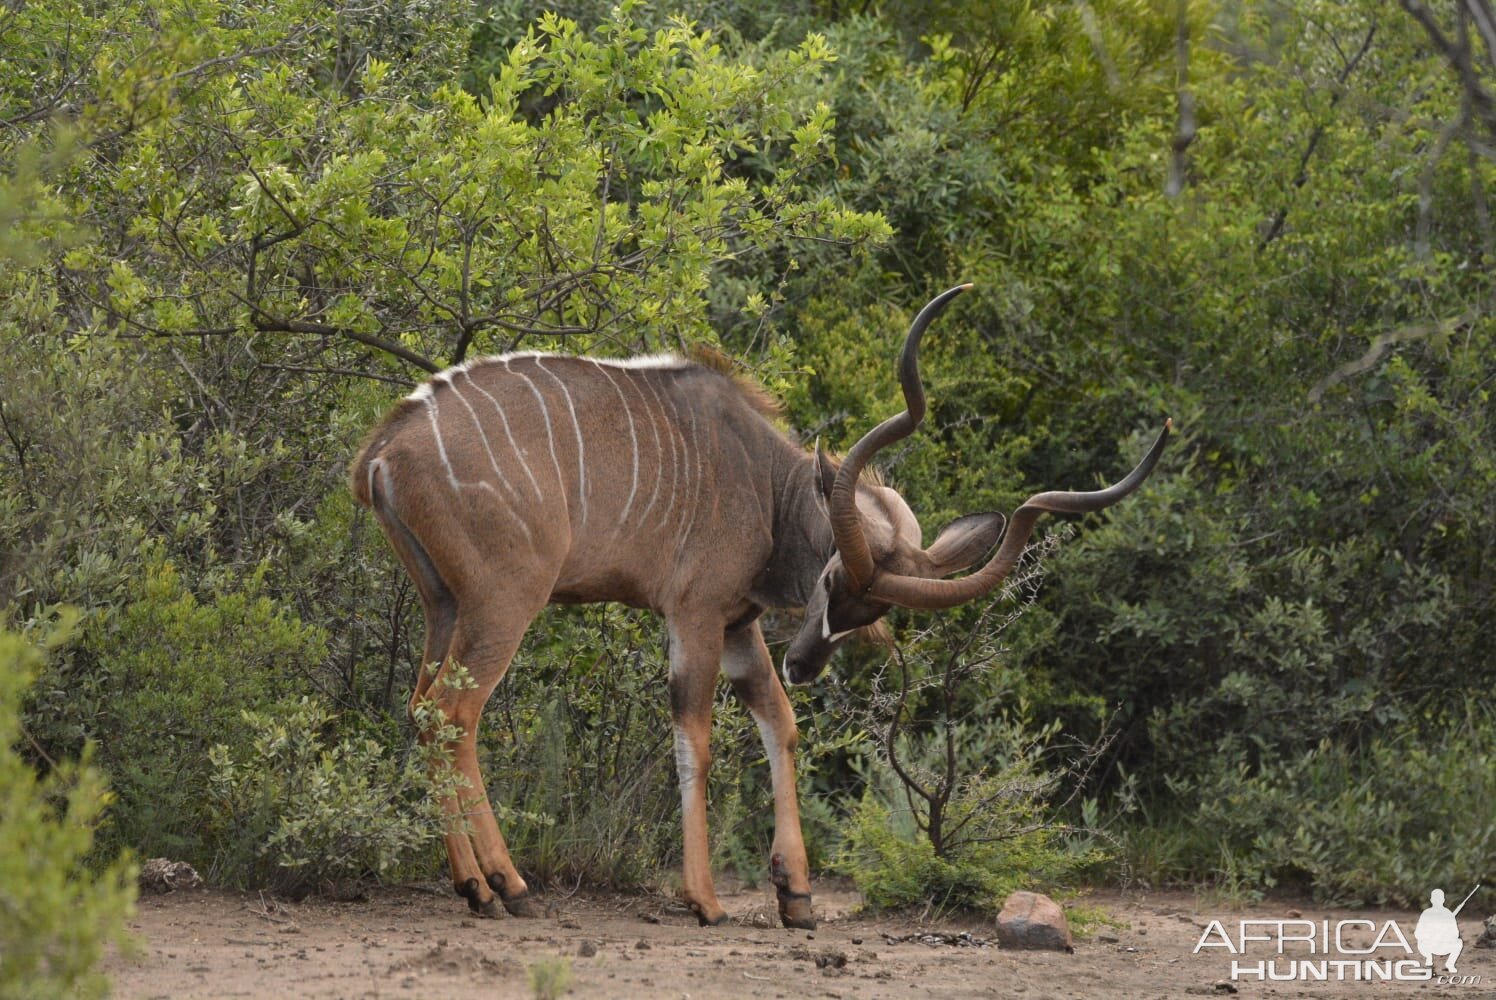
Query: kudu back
x,y
511,482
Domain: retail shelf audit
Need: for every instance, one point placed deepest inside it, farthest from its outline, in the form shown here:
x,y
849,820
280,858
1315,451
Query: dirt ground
x,y
420,942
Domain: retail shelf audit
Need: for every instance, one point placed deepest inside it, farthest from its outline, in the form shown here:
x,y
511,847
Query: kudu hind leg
x,y
748,666
482,648
470,635
437,603
441,618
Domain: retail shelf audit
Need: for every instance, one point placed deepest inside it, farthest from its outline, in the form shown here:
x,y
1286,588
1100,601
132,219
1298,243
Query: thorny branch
x,y
964,655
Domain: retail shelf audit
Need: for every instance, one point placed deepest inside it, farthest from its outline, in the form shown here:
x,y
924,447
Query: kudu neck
x,y
802,532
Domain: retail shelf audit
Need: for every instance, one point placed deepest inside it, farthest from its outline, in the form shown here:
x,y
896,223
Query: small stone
x,y
586,949
1033,920
1108,938
857,940
642,946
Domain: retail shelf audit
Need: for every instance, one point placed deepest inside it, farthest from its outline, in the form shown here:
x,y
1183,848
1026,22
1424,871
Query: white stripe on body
x,y
633,443
519,452
432,413
664,360
674,462
549,436
483,436
654,429
576,426
693,482
441,446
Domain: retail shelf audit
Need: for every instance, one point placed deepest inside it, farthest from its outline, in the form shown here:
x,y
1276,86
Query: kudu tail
x,y
372,482
361,472
359,483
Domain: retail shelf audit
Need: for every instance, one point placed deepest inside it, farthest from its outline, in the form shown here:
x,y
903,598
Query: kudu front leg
x,y
747,663
694,660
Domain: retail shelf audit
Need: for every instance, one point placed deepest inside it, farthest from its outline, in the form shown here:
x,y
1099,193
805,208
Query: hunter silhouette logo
x,y
1438,933
1307,950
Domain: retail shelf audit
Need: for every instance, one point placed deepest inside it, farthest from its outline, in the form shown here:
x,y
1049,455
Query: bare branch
x,y
910,784
1184,135
1383,343
1275,225
1457,54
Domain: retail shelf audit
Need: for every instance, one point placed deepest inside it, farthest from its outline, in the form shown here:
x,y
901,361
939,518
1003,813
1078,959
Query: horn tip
x,y
968,286
1168,423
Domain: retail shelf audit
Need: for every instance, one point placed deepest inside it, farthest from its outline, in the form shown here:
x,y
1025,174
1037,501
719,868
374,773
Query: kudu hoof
x,y
705,921
469,891
795,912
524,905
521,904
794,907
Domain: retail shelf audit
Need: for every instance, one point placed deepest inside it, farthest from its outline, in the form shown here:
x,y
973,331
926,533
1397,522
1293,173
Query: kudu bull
x,y
511,482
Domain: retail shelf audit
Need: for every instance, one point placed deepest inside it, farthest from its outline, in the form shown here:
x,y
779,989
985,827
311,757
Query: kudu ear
x,y
964,541
825,471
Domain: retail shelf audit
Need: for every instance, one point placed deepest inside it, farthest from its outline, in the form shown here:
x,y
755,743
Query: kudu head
x,y
879,563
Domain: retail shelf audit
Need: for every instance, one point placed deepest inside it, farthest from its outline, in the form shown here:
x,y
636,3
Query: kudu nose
x,y
802,669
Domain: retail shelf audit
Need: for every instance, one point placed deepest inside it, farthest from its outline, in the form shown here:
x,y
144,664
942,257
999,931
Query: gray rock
x,y
1033,920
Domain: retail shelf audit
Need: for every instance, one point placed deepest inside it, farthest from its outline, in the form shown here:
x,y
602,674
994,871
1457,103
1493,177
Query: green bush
x,y
158,680
964,797
1009,836
296,812
56,914
1409,810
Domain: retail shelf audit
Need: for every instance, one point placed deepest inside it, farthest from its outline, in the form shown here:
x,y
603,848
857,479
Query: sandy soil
x,y
420,942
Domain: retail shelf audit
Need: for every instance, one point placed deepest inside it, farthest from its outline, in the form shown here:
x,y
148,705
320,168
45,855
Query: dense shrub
x,y
965,798
156,682
293,810
1009,837
1381,824
58,912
